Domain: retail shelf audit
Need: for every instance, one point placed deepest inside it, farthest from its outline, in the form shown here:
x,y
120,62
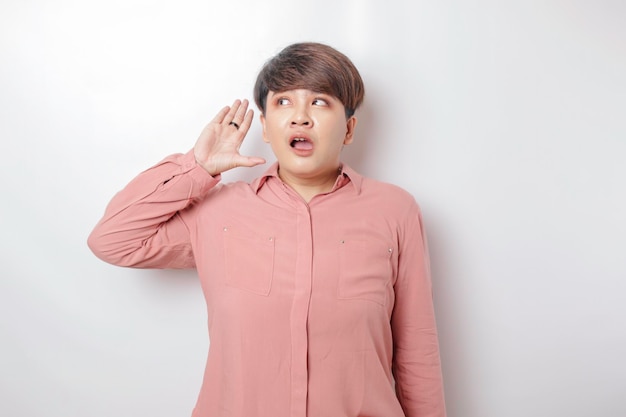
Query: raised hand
x,y
217,148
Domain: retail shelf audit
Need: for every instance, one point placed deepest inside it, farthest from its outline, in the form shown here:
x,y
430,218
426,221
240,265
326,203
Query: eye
x,y
320,102
282,101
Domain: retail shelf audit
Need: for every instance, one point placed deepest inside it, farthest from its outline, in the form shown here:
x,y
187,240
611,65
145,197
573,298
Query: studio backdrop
x,y
504,119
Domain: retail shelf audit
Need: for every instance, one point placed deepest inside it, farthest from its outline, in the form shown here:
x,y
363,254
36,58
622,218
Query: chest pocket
x,y
365,270
249,261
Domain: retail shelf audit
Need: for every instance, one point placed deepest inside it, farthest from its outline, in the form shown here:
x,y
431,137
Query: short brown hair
x,y
312,66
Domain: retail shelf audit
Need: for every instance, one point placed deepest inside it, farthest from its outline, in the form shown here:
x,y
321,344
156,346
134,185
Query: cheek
x,y
269,130
340,131
276,123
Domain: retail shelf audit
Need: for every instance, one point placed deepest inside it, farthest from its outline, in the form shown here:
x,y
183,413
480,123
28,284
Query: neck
x,y
308,188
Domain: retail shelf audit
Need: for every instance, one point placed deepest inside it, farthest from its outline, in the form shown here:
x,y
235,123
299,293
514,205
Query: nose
x,y
301,117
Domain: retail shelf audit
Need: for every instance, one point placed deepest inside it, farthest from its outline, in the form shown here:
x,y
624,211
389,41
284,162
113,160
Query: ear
x,y
262,119
350,125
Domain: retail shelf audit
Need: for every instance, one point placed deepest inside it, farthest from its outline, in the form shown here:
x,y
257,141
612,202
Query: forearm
x,y
417,372
416,363
143,225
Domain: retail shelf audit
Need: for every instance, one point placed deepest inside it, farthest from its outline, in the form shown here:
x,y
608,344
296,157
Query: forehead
x,y
300,92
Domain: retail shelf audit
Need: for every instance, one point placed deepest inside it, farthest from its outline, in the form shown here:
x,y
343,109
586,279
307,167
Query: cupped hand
x,y
217,148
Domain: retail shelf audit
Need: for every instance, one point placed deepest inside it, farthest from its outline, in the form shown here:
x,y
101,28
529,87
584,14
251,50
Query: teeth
x,y
299,139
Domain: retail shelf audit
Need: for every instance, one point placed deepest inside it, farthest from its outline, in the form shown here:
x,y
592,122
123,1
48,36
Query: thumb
x,y
249,161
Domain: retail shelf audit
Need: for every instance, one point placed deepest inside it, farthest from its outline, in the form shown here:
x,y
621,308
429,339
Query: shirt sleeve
x,y
146,224
416,360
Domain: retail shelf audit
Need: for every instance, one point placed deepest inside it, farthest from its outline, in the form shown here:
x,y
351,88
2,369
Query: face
x,y
307,131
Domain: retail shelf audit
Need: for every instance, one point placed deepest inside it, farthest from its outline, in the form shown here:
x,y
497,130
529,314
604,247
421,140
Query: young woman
x,y
316,278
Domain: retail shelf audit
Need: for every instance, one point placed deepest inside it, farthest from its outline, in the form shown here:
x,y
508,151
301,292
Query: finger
x,y
230,116
241,112
249,161
219,117
246,121
242,130
239,115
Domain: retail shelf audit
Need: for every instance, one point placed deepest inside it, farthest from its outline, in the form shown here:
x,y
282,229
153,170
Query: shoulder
x,y
370,188
390,195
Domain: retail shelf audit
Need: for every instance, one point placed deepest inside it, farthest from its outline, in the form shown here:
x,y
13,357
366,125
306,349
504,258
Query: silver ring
x,y
234,124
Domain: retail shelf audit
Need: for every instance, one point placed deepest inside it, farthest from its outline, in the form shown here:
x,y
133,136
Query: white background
x,y
506,120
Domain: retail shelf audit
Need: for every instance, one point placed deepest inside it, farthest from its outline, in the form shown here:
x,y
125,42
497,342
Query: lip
x,y
301,152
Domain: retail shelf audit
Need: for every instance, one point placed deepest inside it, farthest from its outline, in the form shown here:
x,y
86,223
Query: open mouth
x,y
301,144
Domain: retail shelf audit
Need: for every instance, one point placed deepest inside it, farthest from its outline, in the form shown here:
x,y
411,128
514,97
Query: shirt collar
x,y
346,175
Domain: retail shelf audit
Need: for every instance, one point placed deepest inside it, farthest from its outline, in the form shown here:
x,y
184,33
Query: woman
x,y
316,278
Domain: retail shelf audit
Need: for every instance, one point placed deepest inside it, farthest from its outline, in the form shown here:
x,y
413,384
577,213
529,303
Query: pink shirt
x,y
321,309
